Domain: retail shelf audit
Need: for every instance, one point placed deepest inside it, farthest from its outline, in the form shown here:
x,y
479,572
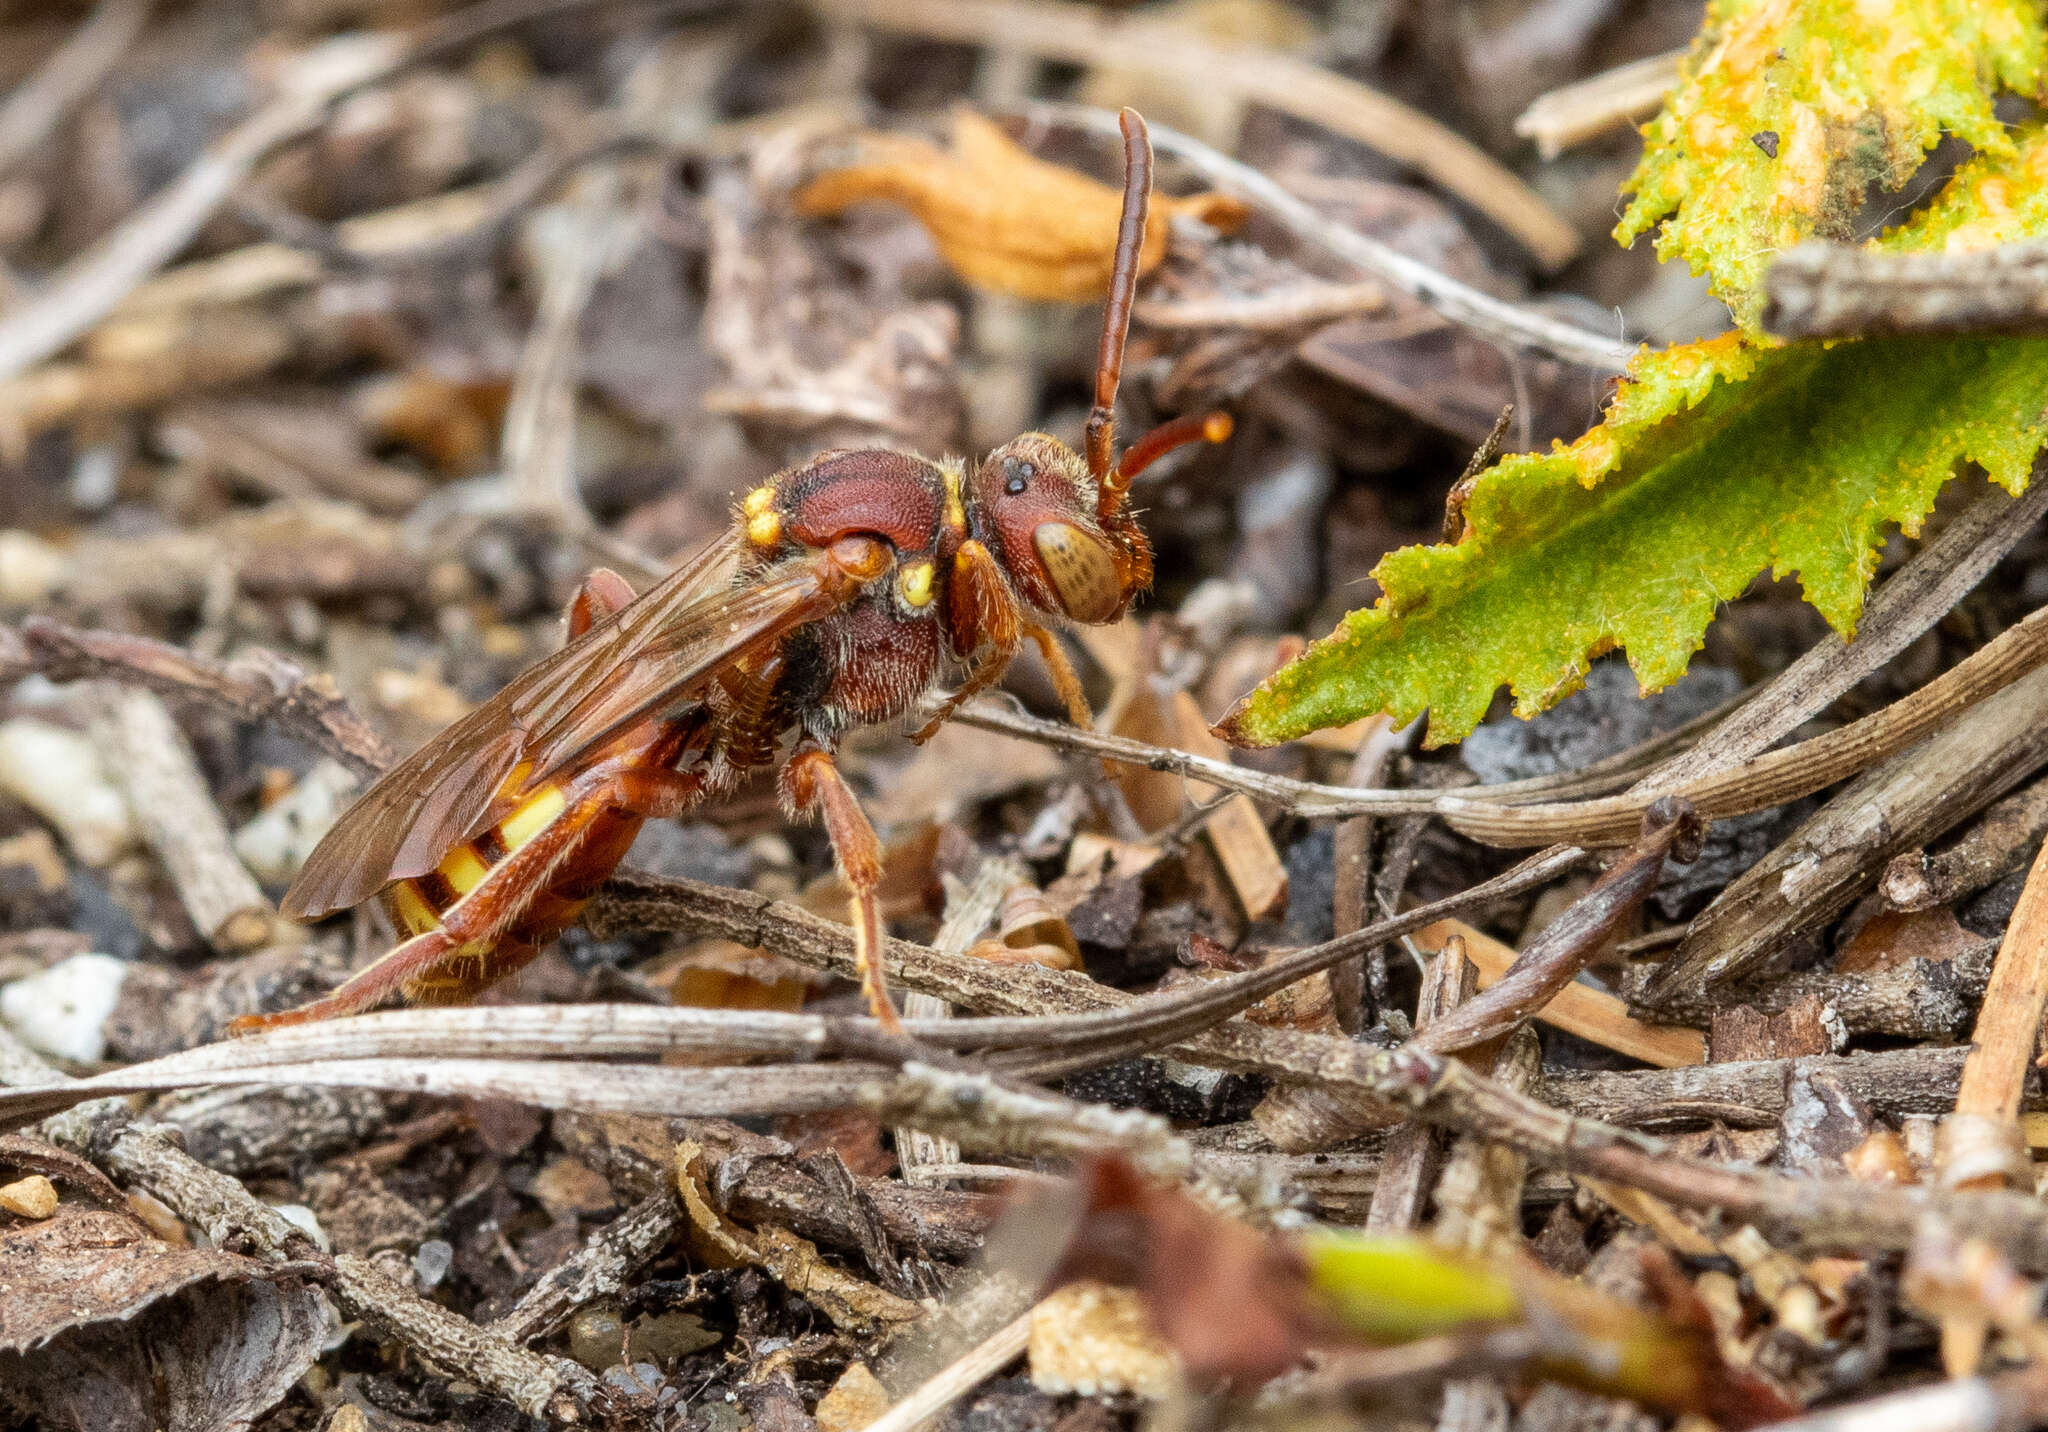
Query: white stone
x,y
63,1011
277,841
30,568
306,1221
56,772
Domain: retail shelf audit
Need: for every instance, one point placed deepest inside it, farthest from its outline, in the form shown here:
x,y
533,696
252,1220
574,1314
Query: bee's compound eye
x,y
1082,571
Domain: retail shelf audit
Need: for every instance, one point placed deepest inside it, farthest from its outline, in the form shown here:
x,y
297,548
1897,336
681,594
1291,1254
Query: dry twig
x,y
1983,751
1509,323
1571,114
155,766
257,686
223,1208
87,289
1822,290
33,112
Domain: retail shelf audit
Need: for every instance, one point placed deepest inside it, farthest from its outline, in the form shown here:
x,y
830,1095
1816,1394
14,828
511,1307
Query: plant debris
x,y
1475,1054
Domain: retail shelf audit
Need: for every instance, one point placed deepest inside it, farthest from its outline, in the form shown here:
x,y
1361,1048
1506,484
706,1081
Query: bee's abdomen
x,y
423,902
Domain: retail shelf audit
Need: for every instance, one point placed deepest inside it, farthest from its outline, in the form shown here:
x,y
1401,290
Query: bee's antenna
x,y
1194,428
1116,316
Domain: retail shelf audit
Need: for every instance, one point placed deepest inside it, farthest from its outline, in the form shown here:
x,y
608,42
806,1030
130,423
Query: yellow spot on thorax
x,y
531,817
915,582
765,528
956,511
759,500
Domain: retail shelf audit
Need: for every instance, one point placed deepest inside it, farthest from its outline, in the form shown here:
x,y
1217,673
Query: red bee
x,y
848,587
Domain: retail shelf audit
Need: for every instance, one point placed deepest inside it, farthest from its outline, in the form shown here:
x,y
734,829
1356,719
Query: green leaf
x,y
1392,1288
1788,110
1793,460
1716,461
1389,1288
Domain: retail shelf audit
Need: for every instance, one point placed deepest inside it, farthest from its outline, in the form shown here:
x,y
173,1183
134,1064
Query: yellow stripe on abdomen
x,y
463,869
531,817
415,916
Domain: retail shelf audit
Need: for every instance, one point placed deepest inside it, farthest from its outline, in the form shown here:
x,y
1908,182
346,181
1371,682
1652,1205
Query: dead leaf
x,y
721,974
853,1304
1229,1300
1002,217
806,352
567,1187
105,1328
33,1155
1893,937
1030,930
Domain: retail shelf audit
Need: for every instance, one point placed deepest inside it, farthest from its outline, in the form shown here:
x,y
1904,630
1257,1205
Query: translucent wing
x,y
655,653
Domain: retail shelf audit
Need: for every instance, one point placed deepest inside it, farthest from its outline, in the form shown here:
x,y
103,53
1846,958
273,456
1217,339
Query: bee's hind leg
x,y
364,990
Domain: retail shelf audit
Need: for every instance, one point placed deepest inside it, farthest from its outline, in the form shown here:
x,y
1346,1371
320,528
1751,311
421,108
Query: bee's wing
x,y
657,651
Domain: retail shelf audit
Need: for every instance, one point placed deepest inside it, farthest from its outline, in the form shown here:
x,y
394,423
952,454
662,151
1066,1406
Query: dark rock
x,y
1605,718
1823,1120
1312,887
1178,1091
95,913
1109,916
1732,846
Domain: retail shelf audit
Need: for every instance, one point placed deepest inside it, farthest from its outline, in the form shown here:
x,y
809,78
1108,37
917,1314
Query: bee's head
x,y
1041,505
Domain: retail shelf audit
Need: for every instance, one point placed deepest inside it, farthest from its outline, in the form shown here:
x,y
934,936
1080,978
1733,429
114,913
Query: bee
x,y
847,589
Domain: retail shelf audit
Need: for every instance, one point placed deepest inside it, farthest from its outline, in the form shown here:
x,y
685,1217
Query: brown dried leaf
x,y
107,1328
851,1303
809,354
1895,937
1030,930
1003,218
29,1154
1229,1300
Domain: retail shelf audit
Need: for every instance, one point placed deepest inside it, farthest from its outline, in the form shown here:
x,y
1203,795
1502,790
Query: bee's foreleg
x,y
987,670
1064,679
811,781
984,618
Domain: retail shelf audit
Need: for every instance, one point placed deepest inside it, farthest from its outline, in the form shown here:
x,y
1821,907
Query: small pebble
x,y
277,841
157,1217
1089,1338
721,1416
30,568
57,773
597,1337
430,1263
854,1401
62,1012
664,1337
31,1197
642,1379
304,1219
